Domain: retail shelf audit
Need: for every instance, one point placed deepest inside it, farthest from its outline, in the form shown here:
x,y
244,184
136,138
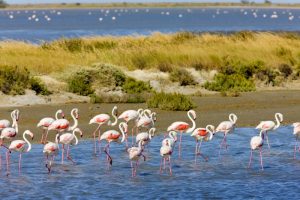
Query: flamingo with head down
x,y
134,154
166,151
256,143
296,132
51,149
202,134
102,119
19,146
145,137
46,122
183,127
270,125
226,127
147,120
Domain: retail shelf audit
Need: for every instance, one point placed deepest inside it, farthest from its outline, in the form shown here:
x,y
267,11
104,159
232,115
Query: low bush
x,y
286,70
132,86
182,76
175,102
165,67
39,87
113,98
81,83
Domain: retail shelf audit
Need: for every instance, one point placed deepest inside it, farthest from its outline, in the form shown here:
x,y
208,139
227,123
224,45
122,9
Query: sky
x,y
107,1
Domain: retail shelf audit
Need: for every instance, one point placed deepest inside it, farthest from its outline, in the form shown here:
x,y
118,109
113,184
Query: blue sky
x,y
106,1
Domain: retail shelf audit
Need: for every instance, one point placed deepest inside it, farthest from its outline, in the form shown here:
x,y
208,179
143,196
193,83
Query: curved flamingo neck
x,y
210,129
172,135
193,122
113,113
15,124
277,121
122,127
261,134
74,119
56,139
76,130
25,139
140,112
233,118
56,114
151,133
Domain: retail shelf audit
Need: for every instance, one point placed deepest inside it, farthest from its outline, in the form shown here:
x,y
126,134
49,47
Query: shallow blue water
x,y
90,22
226,177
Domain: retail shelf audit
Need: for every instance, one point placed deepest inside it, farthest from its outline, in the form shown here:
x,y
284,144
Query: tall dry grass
x,y
207,51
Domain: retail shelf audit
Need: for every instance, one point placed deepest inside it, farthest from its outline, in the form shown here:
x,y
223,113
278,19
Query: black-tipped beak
x,y
32,138
81,136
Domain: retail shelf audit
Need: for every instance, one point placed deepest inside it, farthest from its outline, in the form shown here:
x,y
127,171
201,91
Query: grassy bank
x,y
160,51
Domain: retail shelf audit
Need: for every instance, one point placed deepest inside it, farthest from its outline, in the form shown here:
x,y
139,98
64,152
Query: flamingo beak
x,y
63,115
32,137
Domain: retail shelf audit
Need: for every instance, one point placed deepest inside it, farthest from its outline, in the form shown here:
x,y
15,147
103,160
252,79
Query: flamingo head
x,y
28,132
193,113
79,131
115,111
280,116
17,114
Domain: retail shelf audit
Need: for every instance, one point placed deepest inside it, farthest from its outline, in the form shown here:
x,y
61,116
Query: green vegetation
x,y
113,98
3,4
132,86
14,81
81,83
182,76
175,102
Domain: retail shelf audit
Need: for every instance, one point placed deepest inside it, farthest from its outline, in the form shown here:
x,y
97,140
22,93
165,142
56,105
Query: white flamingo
x,y
256,143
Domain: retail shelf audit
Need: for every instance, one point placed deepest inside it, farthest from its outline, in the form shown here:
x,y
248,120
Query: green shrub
x,y
165,67
286,70
236,82
132,86
73,45
182,76
95,98
140,61
113,98
267,75
39,87
175,102
81,83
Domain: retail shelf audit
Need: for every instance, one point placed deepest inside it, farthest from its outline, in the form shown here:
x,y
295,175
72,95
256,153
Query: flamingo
x,y
166,152
183,127
256,143
46,122
113,136
296,132
270,125
145,137
51,149
226,127
131,115
69,139
4,123
134,154
103,119
62,125
19,146
146,121
201,134
10,132
171,140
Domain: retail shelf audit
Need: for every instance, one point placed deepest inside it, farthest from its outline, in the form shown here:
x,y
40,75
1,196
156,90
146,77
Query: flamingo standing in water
x,y
270,125
183,127
166,152
131,115
51,149
63,125
134,154
46,122
201,134
145,137
19,146
226,127
103,119
146,121
69,139
171,140
113,136
10,132
256,143
296,132
4,123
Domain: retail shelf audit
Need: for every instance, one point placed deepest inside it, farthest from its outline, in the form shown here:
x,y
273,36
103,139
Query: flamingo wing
x,y
45,122
178,126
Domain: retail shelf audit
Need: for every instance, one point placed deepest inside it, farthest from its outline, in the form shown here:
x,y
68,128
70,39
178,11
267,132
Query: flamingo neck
x,y
210,130
261,134
76,139
193,122
140,113
151,133
172,135
113,112
74,119
56,114
15,124
277,121
56,139
233,118
122,127
28,143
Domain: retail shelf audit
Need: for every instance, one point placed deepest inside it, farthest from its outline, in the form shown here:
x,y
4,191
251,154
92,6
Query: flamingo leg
x,y
20,159
69,155
131,168
136,166
109,159
95,141
179,149
62,153
261,161
161,161
42,140
221,145
164,163
295,149
267,140
196,151
170,167
99,142
132,136
45,139
250,161
7,162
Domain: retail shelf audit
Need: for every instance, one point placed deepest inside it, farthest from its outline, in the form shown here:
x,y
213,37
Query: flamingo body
x,y
8,133
4,123
59,125
178,126
45,122
129,115
100,119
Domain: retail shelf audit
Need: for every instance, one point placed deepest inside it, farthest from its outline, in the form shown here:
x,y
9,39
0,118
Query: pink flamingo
x,y
69,139
256,143
146,121
131,115
166,152
171,140
46,122
103,119
63,125
113,136
4,123
226,127
296,132
19,146
10,132
270,125
183,127
134,154
145,137
201,134
51,149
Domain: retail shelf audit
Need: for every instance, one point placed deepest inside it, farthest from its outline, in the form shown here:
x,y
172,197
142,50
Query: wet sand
x,y
250,108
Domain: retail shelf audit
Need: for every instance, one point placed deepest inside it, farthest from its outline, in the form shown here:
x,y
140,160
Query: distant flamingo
x,y
166,152
69,139
134,155
145,137
226,127
131,115
270,125
10,132
51,149
63,125
183,127
201,134
113,136
46,122
256,143
4,123
296,132
19,146
102,119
